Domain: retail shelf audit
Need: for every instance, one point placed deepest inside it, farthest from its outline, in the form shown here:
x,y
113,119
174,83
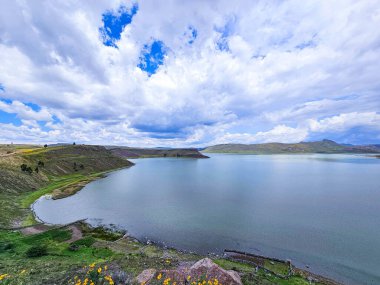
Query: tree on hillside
x,y
45,146
74,143
23,167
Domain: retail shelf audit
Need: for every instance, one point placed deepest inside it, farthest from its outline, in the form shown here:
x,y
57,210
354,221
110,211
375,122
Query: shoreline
x,y
79,185
239,256
228,254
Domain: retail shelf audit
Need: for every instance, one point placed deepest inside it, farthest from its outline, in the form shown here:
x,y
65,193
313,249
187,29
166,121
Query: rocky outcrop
x,y
206,267
145,276
205,271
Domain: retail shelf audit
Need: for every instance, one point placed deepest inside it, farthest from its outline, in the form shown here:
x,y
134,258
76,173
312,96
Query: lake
x,y
321,211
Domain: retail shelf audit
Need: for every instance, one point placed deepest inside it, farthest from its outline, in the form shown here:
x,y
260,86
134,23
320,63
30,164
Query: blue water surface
x,y
318,210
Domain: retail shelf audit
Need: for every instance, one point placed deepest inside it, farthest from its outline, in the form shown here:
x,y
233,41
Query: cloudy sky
x,y
189,73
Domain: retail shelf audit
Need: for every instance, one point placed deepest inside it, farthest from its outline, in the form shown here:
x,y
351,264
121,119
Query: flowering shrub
x,y
161,279
95,275
8,279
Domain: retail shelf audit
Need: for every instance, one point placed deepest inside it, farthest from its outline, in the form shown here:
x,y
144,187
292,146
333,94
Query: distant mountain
x,y
324,146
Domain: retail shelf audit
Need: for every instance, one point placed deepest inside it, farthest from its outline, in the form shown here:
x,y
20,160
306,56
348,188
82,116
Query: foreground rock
x,y
205,271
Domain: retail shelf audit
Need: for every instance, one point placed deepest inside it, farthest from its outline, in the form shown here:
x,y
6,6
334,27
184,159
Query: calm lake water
x,y
317,210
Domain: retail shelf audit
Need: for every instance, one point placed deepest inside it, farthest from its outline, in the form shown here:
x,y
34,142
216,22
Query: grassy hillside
x,y
44,170
130,152
325,146
42,254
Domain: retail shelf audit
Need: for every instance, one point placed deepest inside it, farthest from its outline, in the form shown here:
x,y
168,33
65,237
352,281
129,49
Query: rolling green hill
x,y
324,146
27,172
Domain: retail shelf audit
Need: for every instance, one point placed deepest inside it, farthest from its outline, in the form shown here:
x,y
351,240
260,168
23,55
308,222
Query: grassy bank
x,y
46,255
63,261
28,172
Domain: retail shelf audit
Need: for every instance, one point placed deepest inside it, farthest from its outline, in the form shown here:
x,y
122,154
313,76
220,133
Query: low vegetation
x,y
28,172
50,255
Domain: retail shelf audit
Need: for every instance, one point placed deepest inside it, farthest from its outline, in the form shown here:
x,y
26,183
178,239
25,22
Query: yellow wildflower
x,y
105,267
188,278
109,279
166,281
99,270
159,276
3,276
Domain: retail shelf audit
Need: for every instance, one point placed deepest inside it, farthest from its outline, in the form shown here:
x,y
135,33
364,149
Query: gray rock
x,y
145,276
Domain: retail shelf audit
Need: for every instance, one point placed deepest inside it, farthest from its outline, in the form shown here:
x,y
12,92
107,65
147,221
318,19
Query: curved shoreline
x,y
147,241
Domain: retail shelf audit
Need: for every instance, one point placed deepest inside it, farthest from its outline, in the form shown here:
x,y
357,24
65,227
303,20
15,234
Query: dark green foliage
x,y
36,169
45,146
86,242
104,234
37,251
58,235
41,163
6,246
73,247
26,168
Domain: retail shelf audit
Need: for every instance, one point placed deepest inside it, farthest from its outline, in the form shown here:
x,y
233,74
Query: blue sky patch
x,y
7,118
114,23
225,32
152,56
222,44
34,107
193,35
307,44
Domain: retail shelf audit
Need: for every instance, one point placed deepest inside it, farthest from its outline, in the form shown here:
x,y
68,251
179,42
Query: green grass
x,y
62,263
277,267
58,264
30,197
234,265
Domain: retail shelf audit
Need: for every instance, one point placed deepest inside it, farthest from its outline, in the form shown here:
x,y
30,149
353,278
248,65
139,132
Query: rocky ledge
x,y
204,272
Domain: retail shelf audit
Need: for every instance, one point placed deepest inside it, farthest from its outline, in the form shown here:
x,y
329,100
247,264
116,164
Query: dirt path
x,y
76,233
37,229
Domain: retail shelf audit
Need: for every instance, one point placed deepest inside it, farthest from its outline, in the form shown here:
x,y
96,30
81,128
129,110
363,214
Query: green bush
x,y
5,246
87,242
37,251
